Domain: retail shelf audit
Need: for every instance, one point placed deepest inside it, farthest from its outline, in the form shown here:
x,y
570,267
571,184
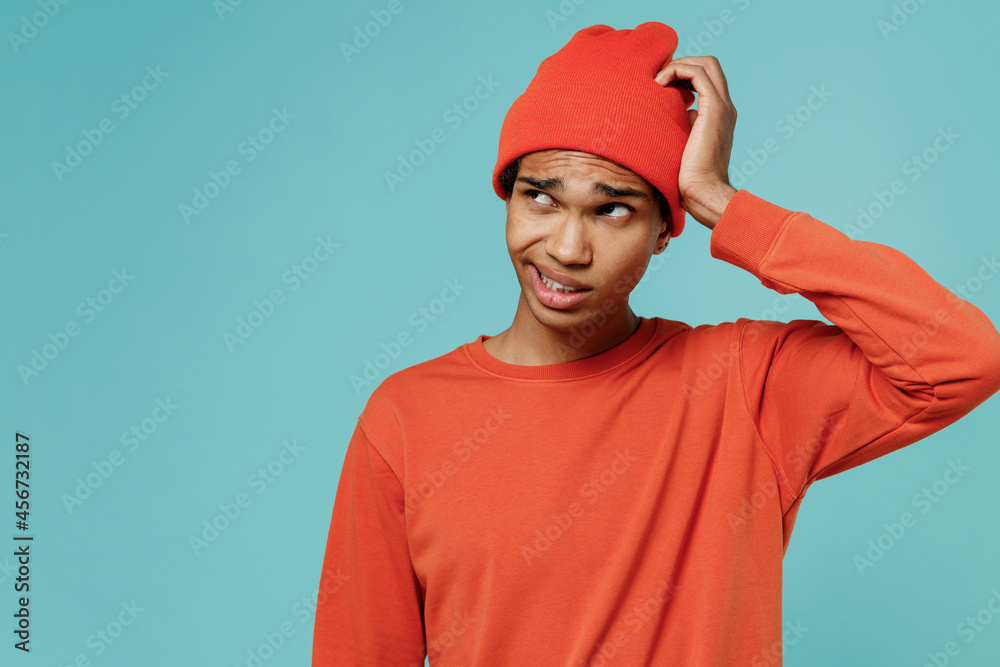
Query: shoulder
x,y
741,337
403,392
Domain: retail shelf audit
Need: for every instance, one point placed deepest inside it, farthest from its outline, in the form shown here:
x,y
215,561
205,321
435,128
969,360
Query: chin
x,y
562,320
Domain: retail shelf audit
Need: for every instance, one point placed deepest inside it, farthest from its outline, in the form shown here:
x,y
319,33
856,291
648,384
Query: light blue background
x,y
323,176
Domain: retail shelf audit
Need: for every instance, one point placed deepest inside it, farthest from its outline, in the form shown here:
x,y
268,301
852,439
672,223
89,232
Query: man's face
x,y
588,219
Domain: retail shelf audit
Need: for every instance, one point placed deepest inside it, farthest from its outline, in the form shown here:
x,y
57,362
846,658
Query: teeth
x,y
553,285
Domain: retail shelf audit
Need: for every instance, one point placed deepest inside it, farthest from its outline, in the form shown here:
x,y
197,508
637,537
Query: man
x,y
591,487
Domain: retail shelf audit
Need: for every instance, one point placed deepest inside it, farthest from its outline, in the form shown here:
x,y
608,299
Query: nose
x,y
568,241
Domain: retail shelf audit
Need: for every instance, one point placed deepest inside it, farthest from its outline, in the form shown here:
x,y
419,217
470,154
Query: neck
x,y
529,342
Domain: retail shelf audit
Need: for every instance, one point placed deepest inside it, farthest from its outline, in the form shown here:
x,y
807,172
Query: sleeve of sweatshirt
x,y
369,608
904,357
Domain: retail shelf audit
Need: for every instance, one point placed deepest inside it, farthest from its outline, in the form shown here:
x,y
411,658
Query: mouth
x,y
553,294
556,286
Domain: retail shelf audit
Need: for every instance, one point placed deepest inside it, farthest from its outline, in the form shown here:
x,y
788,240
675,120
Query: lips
x,y
553,298
560,278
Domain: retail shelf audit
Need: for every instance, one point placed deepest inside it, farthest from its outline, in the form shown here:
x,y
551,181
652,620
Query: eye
x,y
613,205
531,194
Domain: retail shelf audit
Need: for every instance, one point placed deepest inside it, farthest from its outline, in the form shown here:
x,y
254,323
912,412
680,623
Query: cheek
x,y
519,234
630,260
513,244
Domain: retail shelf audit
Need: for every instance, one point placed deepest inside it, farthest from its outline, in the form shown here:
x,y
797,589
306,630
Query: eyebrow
x,y
600,188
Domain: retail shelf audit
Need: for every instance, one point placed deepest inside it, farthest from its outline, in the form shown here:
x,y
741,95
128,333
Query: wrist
x,y
707,204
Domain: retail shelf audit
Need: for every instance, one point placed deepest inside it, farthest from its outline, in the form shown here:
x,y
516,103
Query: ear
x,y
664,236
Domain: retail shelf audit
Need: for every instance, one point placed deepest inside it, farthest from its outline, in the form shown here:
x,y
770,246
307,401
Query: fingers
x,y
714,69
695,76
703,73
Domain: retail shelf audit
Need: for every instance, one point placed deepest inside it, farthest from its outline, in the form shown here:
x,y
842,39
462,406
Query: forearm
x,y
915,330
707,205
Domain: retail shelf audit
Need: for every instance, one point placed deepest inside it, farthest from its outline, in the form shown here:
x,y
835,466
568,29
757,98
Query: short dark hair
x,y
509,175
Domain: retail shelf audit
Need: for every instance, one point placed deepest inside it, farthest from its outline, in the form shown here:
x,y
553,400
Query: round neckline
x,y
577,368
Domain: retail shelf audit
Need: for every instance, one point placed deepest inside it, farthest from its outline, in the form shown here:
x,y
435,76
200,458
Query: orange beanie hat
x,y
598,95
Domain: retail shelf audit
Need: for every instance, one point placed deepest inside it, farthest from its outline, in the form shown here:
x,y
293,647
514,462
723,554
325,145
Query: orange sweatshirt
x,y
634,507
